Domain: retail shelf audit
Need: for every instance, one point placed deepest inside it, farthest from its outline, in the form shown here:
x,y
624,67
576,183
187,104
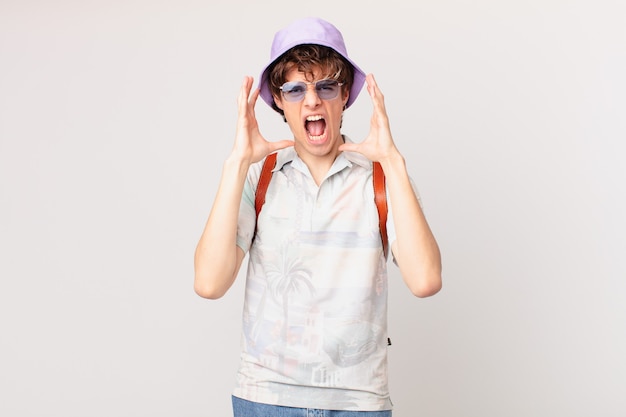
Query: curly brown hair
x,y
309,58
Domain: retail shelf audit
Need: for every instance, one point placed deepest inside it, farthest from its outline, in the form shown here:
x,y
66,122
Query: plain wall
x,y
115,117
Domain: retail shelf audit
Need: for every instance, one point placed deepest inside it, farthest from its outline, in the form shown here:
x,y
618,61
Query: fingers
x,y
379,116
244,91
375,93
245,97
253,97
371,84
242,98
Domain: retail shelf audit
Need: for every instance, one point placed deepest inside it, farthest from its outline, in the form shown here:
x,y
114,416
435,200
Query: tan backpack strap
x,y
380,197
264,181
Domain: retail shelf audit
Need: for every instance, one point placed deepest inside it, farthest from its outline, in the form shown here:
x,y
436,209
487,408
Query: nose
x,y
311,98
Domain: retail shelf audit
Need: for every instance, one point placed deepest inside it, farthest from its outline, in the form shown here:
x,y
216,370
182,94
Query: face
x,y
314,122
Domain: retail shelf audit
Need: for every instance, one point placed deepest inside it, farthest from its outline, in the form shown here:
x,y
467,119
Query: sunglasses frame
x,y
295,97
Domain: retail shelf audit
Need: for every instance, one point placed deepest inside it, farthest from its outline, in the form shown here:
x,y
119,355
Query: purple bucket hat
x,y
309,30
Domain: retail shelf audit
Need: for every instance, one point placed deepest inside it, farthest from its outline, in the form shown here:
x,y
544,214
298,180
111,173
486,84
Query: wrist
x,y
392,161
236,164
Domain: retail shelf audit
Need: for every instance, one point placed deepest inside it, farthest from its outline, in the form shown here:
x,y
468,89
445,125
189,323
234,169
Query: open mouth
x,y
315,127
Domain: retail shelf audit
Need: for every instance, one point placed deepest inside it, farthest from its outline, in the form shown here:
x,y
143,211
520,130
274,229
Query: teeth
x,y
313,119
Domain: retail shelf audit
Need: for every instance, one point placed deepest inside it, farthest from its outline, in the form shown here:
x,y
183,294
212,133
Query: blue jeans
x,y
244,408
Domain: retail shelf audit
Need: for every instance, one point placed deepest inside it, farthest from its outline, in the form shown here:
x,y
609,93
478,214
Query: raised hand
x,y
250,145
378,145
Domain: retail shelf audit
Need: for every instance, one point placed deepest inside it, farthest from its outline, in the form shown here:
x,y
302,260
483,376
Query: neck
x,y
318,165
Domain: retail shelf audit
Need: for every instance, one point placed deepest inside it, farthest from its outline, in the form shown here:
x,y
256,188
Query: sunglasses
x,y
326,89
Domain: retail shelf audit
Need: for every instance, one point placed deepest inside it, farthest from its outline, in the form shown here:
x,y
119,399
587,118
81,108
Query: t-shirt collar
x,y
344,159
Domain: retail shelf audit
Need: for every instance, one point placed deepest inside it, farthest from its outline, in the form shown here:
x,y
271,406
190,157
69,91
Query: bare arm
x,y
415,248
217,257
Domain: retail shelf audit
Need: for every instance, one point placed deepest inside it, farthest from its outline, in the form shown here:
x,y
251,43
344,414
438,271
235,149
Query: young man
x,y
315,313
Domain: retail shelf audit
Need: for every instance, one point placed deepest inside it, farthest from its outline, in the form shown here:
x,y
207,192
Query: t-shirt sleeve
x,y
246,223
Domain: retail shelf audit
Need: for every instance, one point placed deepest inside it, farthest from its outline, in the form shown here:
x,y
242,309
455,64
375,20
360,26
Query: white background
x,y
115,117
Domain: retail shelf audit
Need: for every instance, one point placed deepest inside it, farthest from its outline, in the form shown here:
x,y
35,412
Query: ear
x,y
279,102
346,96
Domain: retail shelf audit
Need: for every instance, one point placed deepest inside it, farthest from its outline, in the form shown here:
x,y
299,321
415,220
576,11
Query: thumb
x,y
281,144
349,147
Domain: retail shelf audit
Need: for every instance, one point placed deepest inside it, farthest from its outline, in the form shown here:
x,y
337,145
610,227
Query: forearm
x,y
415,249
217,258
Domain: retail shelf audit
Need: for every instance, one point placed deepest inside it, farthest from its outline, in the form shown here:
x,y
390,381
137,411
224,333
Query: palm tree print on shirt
x,y
288,278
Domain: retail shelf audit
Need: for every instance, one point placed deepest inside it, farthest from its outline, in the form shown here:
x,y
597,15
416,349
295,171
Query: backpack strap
x,y
380,197
380,194
264,182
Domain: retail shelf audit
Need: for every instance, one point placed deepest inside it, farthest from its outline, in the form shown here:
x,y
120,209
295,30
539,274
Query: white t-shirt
x,y
314,331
